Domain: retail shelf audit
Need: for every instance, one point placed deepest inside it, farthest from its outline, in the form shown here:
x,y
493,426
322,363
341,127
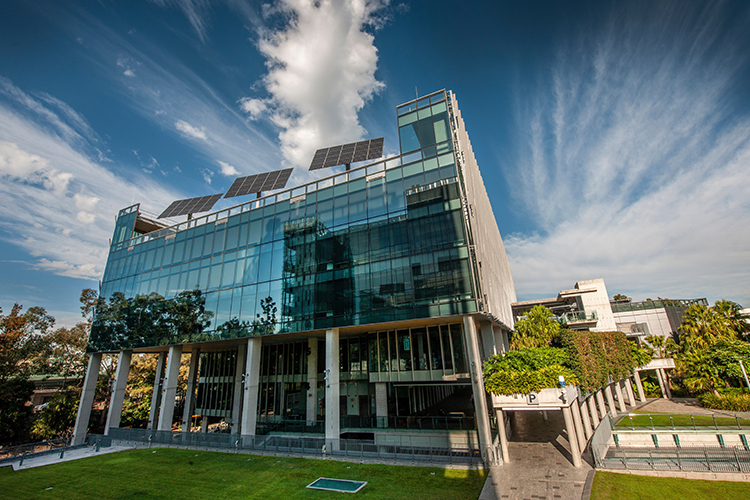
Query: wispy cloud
x,y
191,131
633,161
56,200
321,72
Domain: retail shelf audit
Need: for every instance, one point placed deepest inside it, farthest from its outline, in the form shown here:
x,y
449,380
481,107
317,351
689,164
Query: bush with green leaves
x,y
597,356
527,370
727,402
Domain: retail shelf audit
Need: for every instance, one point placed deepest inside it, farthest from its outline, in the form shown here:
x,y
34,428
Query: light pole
x,y
744,373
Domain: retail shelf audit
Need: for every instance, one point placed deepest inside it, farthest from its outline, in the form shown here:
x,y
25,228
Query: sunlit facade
x,y
381,288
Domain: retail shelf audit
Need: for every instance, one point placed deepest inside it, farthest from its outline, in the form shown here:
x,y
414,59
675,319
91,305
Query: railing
x,y
682,421
696,459
403,449
412,423
577,316
33,448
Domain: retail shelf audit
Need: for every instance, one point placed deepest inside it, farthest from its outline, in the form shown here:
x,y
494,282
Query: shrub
x,y
727,402
527,370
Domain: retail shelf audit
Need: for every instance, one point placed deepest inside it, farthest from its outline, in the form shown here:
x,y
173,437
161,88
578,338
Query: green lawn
x,y
681,421
188,474
613,486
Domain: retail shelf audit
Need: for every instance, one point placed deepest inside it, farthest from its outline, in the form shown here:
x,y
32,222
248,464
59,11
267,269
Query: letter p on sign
x,y
532,398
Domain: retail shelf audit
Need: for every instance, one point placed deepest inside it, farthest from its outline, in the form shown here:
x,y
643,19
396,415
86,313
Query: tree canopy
x,y
537,329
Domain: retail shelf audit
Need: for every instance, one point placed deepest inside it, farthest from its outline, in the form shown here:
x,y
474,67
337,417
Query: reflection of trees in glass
x,y
264,324
146,320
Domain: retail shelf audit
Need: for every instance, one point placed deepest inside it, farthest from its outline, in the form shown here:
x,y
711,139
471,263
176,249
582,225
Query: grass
x,y
190,474
681,421
614,486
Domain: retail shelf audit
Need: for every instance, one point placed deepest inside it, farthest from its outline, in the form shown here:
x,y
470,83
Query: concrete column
x,y
501,339
600,403
661,384
187,413
87,398
153,415
572,439
639,385
252,381
118,391
610,400
381,403
312,380
576,411
666,383
477,385
170,388
503,436
237,399
620,398
585,418
591,401
333,417
629,392
488,341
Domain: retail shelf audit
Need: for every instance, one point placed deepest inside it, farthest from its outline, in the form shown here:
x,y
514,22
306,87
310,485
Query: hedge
x,y
728,402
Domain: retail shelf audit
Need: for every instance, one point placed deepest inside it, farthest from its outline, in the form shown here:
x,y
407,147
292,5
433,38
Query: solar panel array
x,y
191,206
258,183
347,153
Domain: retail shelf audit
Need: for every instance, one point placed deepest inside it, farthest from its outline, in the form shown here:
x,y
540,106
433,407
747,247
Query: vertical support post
x,y
585,417
639,385
118,391
572,439
600,403
629,391
503,435
153,415
312,380
187,413
488,340
576,411
592,411
610,400
87,399
237,399
170,388
333,417
381,404
477,385
666,383
620,398
661,384
252,382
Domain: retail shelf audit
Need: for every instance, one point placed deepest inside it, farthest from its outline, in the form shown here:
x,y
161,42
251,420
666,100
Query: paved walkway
x,y
540,465
54,458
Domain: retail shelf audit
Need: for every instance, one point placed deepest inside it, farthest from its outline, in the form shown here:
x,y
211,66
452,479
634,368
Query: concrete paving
x,y
540,465
54,458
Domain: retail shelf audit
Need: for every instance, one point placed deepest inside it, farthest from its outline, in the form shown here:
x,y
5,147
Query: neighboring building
x,y
587,307
651,317
584,307
345,306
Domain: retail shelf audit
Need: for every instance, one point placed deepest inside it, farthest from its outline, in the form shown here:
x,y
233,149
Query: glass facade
x,y
383,242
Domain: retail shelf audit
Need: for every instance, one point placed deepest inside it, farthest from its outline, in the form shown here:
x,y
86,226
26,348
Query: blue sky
x,y
613,137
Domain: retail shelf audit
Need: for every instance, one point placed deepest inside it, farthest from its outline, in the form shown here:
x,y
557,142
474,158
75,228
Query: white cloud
x,y
208,175
56,202
253,107
190,131
129,72
227,169
631,163
321,72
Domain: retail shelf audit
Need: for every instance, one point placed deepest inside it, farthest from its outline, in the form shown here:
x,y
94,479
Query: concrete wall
x,y
656,319
598,301
492,261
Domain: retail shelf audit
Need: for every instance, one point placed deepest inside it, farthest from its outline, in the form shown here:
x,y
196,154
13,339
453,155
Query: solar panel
x,y
191,206
347,153
258,183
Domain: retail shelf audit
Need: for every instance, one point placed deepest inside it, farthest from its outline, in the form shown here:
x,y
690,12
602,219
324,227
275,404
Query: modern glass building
x,y
358,304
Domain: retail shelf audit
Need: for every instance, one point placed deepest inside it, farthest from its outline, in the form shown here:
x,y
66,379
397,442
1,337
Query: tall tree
x,y
537,329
